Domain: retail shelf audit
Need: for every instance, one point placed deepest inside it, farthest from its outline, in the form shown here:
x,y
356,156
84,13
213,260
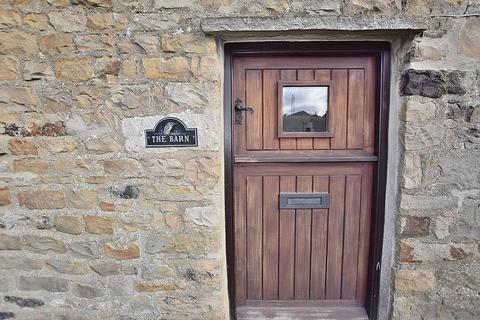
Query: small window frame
x,y
303,83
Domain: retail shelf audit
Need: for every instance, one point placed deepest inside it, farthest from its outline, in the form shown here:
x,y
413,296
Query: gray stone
x,y
157,272
44,244
24,302
68,267
6,315
8,283
20,263
44,223
86,291
50,284
432,84
10,242
154,245
127,192
106,269
84,249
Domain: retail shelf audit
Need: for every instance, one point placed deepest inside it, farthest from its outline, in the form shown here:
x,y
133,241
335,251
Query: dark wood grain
x,y
271,187
356,103
254,100
270,127
286,244
254,237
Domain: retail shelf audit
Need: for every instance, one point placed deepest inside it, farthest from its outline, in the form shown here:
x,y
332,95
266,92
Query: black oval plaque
x,y
170,132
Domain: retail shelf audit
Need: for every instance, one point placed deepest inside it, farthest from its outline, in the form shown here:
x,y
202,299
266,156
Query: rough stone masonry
x,y
93,227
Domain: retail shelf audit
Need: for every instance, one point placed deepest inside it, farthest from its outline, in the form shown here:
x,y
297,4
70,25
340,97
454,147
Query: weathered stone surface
x,y
44,199
68,224
190,95
432,84
67,267
127,192
6,315
413,171
154,245
9,68
36,71
469,38
98,225
36,21
107,20
157,272
104,145
80,69
50,284
44,244
159,68
414,226
188,43
419,110
147,287
59,146
86,291
57,43
19,263
365,6
24,302
85,249
122,167
9,19
95,3
44,223
17,43
73,20
82,199
106,268
18,98
22,147
127,252
5,196
414,280
8,242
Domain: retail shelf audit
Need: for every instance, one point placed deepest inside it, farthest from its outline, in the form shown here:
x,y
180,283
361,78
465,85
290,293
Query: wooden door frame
x,y
381,50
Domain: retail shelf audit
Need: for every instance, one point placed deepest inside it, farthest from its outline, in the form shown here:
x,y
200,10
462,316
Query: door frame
x,y
381,50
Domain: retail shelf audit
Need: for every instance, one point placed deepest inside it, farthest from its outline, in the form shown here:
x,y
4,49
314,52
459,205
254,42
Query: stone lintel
x,y
228,25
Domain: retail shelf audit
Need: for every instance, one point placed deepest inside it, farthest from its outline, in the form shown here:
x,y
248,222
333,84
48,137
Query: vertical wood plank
x,y
364,232
254,99
319,243
240,239
286,244
270,237
239,132
288,143
270,118
254,237
305,143
350,248
302,243
323,143
356,102
370,110
335,238
339,109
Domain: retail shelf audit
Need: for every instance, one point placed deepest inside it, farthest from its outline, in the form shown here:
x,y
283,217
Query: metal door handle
x,y
238,106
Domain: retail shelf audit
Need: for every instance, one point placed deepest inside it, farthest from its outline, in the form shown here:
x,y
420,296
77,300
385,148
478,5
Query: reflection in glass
x,y
305,108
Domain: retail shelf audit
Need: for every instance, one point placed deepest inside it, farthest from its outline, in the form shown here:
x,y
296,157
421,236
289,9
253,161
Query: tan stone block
x,y
67,267
209,67
18,97
102,146
5,196
68,224
83,199
469,38
73,20
160,68
413,171
59,146
442,227
419,110
98,3
43,199
98,225
37,70
17,43
8,242
72,167
121,167
79,69
130,251
57,43
9,19
108,21
9,68
44,244
34,166
22,147
145,43
36,21
414,280
146,287
414,226
407,253
105,206
129,69
107,268
188,43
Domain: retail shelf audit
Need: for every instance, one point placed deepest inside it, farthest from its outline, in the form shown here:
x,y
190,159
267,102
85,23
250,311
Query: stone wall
x,y
94,226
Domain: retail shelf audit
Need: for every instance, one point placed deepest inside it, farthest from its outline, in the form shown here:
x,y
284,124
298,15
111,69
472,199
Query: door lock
x,y
238,105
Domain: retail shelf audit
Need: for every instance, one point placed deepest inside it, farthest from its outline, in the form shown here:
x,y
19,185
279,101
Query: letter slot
x,y
299,200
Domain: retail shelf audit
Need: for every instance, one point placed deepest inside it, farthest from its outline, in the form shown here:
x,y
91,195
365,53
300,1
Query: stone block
x,y
469,38
154,245
19,263
419,110
76,69
44,244
106,268
67,267
18,43
22,147
82,199
70,20
414,280
442,227
107,21
87,291
44,199
121,167
149,287
413,226
9,19
432,84
102,146
127,192
57,44
385,7
18,99
160,68
95,3
5,196
127,252
68,224
33,166
24,302
188,43
413,171
59,146
9,68
36,71
50,284
36,21
157,272
195,96
98,225
8,242
85,249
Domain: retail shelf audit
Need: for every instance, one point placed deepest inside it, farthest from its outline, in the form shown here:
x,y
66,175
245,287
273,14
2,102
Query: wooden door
x,y
311,261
